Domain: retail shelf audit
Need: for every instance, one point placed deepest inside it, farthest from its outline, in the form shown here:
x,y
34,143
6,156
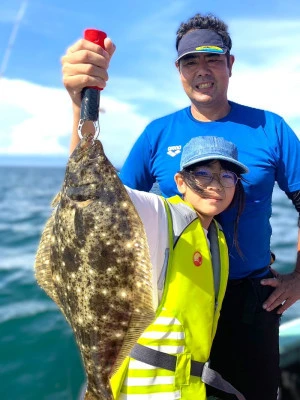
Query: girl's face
x,y
213,197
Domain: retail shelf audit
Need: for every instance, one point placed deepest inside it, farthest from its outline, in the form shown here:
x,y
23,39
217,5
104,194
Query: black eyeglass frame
x,y
206,180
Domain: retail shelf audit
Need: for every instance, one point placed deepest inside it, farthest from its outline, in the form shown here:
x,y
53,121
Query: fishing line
x,y
12,38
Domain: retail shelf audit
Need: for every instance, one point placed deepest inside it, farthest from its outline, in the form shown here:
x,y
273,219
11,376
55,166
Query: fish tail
x,y
90,396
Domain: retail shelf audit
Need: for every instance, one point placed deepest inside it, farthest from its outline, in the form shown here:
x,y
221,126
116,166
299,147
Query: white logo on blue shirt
x,y
174,150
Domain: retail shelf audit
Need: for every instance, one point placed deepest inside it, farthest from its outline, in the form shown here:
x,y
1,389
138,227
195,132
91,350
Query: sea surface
x,y
38,356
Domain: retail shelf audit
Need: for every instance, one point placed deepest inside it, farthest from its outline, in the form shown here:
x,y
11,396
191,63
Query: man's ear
x,y
231,61
177,65
181,185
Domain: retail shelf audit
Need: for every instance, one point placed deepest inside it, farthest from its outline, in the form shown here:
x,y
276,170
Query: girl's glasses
x,y
204,177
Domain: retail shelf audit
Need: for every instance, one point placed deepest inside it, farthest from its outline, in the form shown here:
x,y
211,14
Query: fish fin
x,y
56,200
42,264
137,326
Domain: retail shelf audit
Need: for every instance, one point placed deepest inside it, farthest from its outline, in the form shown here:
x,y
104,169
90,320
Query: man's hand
x,y
287,291
85,64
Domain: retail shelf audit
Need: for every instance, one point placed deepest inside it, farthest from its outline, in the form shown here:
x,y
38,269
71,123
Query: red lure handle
x,y
90,96
97,37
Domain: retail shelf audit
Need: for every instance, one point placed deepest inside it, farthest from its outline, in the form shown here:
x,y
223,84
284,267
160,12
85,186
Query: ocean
x,y
38,356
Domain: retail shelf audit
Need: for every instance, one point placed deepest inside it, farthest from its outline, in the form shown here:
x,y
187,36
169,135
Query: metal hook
x,y
81,124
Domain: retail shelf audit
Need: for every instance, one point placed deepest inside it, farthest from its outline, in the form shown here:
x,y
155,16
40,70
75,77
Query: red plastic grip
x,y
97,37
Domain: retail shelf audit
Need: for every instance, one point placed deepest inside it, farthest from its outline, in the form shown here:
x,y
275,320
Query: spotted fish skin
x,y
93,261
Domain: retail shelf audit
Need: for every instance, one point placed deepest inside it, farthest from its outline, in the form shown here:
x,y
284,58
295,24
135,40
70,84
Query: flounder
x,y
93,261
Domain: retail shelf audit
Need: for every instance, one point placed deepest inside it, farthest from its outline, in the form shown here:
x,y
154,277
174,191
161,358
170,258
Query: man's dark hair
x,y
208,21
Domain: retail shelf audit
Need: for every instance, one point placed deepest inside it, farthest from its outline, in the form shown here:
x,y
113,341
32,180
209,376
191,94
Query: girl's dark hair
x,y
238,200
207,21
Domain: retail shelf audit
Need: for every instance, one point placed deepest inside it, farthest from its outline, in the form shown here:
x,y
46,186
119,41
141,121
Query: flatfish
x,y
93,261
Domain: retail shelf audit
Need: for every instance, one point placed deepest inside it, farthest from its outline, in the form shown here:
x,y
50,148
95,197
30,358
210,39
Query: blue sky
x,y
35,110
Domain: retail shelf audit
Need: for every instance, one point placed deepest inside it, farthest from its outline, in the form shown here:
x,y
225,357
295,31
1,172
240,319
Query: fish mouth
x,y
88,146
86,141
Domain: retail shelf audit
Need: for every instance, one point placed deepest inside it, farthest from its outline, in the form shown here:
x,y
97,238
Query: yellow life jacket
x,y
187,316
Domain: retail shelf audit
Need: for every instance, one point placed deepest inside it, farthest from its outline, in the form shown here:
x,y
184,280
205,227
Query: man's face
x,y
205,78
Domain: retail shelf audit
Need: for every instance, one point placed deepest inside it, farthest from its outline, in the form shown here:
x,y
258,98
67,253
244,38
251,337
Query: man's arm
x,y
84,64
287,285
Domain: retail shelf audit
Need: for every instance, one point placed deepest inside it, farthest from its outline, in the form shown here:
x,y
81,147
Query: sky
x,y
35,109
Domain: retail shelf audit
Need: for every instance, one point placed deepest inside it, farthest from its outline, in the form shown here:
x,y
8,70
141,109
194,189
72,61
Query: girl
x,y
190,269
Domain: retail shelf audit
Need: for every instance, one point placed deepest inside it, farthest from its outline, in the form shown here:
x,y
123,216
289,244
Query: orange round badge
x,y
197,259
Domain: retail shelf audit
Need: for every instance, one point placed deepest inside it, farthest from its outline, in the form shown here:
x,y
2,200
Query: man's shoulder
x,y
254,112
167,127
166,119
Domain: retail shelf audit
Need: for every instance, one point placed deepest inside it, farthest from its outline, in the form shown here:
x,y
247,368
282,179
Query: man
x,y
245,349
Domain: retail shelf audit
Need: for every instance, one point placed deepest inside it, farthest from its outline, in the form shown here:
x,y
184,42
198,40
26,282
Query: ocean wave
x,y
24,309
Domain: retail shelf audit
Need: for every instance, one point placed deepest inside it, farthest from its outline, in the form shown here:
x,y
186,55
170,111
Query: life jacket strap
x,y
166,361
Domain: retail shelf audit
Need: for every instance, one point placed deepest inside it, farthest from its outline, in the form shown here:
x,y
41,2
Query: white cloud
x,y
46,117
266,73
276,89
120,125
39,117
